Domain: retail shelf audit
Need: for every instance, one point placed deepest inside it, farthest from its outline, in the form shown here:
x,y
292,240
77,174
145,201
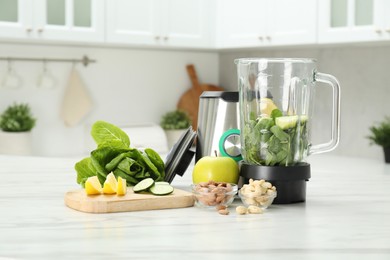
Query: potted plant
x,y
380,135
16,123
175,123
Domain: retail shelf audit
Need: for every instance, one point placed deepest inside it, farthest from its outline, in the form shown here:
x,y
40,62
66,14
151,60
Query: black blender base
x,y
290,181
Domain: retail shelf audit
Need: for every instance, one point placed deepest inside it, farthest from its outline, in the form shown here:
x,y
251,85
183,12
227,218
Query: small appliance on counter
x,y
276,99
218,125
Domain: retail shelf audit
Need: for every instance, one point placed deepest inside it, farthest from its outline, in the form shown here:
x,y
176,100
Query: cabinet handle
x,y
268,38
261,38
378,31
40,30
157,38
388,30
166,38
28,29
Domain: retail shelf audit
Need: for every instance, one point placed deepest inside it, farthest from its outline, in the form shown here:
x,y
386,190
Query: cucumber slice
x,y
161,188
285,122
143,185
161,183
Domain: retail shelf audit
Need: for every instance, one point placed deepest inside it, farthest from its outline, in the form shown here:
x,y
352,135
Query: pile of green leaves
x,y
113,154
380,133
268,144
17,118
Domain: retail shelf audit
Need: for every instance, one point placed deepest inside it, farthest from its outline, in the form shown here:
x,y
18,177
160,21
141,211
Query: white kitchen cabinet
x,y
353,21
241,23
174,23
15,18
256,23
62,20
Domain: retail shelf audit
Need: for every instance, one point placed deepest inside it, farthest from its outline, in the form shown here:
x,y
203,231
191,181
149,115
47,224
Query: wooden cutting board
x,y
80,201
189,101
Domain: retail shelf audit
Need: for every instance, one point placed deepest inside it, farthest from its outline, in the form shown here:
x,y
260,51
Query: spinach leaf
x,y
265,143
156,160
84,170
113,154
276,113
131,167
106,134
278,132
129,179
101,157
115,162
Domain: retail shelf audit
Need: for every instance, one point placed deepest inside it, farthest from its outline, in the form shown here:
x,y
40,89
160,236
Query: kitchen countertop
x,y
346,216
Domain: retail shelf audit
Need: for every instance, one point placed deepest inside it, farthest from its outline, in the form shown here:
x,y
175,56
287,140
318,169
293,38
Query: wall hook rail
x,y
85,60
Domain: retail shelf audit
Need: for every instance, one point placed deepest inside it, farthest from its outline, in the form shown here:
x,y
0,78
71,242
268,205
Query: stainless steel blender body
x,y
218,125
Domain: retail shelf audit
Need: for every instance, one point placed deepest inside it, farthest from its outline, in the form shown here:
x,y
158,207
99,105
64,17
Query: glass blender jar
x,y
276,98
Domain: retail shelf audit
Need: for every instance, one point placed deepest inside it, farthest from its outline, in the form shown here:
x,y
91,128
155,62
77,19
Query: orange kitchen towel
x,y
77,102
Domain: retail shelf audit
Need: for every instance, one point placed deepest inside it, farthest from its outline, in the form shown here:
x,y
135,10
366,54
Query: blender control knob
x,y
230,144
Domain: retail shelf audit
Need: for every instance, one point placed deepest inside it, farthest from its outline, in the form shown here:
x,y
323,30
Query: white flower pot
x,y
16,143
173,136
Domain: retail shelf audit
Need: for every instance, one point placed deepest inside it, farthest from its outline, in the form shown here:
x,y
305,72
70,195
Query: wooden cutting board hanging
x,y
189,101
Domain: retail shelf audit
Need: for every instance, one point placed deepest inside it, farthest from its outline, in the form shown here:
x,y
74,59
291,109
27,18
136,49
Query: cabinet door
x,y
291,22
15,18
385,30
134,21
188,23
241,23
350,20
71,20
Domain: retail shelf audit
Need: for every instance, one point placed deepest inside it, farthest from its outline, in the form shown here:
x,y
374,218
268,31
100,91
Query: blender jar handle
x,y
335,134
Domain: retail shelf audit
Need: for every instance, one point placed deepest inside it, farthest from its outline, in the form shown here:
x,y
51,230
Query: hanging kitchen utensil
x,y
189,101
45,78
11,78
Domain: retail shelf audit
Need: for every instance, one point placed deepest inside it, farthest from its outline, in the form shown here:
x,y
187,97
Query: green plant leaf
x,y
156,160
268,144
276,113
278,132
380,133
130,180
84,169
115,162
106,134
17,118
114,154
101,157
175,120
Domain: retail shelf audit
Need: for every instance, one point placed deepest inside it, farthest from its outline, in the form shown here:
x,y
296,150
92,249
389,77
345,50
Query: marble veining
x,y
346,216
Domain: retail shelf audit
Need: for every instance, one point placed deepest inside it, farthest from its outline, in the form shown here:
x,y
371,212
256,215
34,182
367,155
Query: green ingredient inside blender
x,y
276,140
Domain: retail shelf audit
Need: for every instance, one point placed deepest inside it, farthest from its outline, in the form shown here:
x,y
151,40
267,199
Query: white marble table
x,y
346,216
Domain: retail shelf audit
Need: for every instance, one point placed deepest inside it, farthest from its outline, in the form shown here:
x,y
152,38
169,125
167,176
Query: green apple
x,y
218,169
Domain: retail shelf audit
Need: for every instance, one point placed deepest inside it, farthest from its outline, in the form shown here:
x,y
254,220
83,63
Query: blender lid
x,y
180,156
